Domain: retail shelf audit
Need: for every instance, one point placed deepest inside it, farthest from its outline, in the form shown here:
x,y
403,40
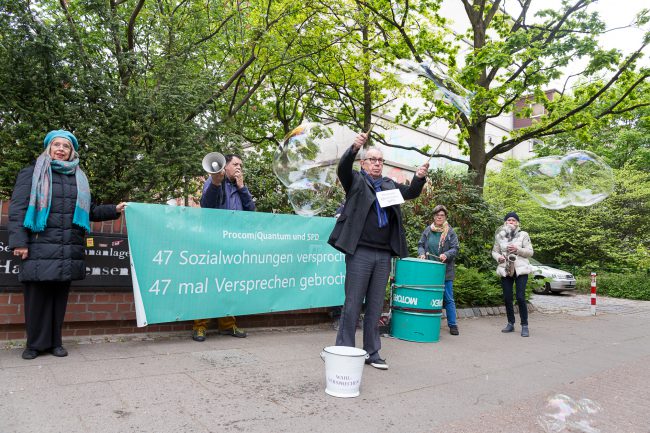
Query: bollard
x,y
593,293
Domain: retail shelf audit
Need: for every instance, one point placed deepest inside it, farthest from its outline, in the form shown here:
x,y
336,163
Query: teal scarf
x,y
40,196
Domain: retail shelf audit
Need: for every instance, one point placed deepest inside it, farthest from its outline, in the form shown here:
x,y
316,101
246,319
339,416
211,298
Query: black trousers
x,y
366,275
520,282
45,304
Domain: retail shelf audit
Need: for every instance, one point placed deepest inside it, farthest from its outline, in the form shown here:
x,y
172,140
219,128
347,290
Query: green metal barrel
x,y
416,302
418,272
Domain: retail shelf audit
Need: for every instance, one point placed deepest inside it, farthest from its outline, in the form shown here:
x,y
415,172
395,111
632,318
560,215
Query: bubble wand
x,y
456,117
372,125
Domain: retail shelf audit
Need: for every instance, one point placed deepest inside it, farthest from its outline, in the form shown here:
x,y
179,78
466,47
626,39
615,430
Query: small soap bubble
x,y
579,178
589,406
563,414
306,165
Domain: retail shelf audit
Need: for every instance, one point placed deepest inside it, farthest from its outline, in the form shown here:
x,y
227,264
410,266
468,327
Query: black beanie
x,y
511,214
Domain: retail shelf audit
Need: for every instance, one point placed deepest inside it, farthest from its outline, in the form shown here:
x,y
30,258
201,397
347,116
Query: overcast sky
x,y
615,14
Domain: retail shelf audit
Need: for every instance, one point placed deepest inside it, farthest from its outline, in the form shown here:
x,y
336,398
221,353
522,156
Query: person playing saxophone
x,y
512,248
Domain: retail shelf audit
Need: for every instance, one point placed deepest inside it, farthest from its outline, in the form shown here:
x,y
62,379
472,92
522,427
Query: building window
x,y
533,143
537,110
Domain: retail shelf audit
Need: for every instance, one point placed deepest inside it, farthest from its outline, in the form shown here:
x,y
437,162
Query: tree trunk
x,y
476,141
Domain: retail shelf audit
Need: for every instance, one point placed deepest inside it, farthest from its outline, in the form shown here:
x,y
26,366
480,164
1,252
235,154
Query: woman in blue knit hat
x,y
512,249
49,215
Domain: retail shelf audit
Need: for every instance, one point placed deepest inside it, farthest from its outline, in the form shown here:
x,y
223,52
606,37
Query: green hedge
x,y
481,289
476,289
628,286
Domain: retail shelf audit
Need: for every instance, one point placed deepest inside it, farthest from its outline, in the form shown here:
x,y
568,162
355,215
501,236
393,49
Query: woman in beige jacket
x,y
512,248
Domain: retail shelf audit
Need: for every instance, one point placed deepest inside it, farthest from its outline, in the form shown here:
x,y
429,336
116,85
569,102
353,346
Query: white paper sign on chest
x,y
390,197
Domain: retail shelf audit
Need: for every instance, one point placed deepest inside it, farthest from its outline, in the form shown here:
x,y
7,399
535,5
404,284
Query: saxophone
x,y
503,237
510,264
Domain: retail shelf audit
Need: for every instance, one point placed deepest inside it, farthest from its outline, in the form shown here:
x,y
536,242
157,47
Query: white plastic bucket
x,y
343,369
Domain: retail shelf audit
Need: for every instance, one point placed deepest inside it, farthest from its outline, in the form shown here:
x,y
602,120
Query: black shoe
x,y
453,330
510,327
233,332
59,351
30,354
524,331
378,363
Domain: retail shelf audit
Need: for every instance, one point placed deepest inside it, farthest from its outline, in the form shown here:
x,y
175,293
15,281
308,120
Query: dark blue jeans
x,y
520,282
366,276
450,304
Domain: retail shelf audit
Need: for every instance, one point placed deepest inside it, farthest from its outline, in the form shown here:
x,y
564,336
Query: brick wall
x,y
526,101
103,312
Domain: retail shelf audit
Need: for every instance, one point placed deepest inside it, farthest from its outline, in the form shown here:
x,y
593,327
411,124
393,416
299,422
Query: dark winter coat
x,y
360,196
450,248
57,253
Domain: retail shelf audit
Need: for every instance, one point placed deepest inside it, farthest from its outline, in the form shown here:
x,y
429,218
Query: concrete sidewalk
x,y
273,381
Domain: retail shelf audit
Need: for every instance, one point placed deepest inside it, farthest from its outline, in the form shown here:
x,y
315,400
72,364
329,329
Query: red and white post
x,y
593,293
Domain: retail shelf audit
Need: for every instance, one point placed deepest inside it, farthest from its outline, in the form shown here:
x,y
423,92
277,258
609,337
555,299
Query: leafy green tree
x,y
148,88
511,58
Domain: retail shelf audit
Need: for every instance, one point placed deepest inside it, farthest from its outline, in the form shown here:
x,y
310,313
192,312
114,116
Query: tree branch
x,y
609,110
222,89
248,95
399,28
234,94
213,34
75,33
509,144
553,34
130,30
634,107
180,3
415,149
493,10
521,19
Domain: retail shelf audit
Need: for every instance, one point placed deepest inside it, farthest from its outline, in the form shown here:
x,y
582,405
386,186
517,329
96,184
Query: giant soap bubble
x,y
579,178
306,165
448,90
308,198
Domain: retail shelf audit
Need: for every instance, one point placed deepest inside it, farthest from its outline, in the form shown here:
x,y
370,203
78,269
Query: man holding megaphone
x,y
224,189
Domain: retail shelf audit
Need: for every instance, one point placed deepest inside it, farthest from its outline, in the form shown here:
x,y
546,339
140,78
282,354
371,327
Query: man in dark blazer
x,y
369,235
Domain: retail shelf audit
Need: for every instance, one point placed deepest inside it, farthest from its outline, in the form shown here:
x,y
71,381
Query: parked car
x,y
560,281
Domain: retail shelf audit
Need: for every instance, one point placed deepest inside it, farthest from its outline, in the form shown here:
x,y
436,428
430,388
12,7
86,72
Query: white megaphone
x,y
213,162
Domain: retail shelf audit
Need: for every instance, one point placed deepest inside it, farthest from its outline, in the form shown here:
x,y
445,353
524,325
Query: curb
x,y
161,336
463,313
485,311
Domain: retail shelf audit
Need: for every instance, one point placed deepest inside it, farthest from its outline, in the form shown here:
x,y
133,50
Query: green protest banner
x,y
191,263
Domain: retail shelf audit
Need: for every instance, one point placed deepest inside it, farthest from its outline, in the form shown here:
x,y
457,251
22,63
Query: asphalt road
x,y
576,373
